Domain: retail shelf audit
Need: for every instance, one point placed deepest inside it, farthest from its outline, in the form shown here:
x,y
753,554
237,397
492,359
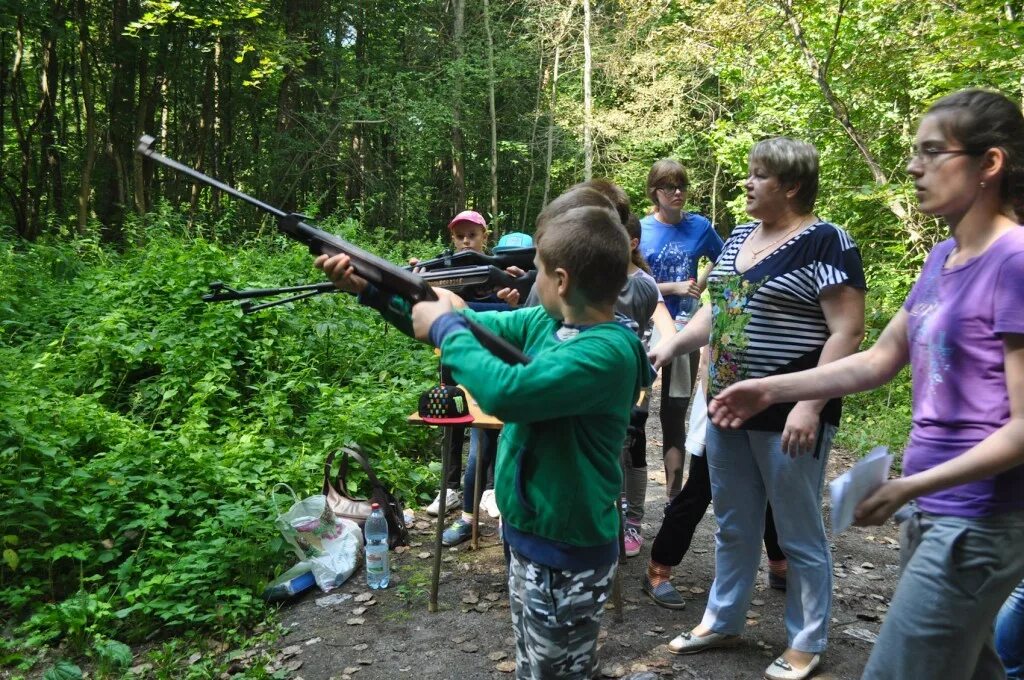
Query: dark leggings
x,y
453,475
685,512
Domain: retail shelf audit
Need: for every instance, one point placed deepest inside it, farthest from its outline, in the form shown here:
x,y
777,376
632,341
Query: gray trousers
x,y
956,573
556,616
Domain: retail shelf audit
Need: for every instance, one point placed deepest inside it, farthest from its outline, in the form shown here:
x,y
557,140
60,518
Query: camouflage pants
x,y
557,616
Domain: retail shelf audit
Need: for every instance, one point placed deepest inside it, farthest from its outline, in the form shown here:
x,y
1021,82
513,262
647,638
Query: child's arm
x,y
394,309
554,384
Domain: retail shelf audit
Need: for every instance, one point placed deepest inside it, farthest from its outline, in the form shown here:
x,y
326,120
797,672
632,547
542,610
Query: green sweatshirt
x,y
557,475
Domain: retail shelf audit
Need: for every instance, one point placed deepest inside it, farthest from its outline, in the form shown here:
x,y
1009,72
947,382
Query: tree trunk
x,y
50,182
24,219
458,152
85,71
203,141
840,111
141,116
551,126
355,187
494,120
588,132
113,200
3,102
542,81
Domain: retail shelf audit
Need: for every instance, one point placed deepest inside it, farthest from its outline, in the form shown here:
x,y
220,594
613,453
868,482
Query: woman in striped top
x,y
787,293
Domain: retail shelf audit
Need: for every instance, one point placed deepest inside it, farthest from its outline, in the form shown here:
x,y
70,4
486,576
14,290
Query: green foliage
x,y
63,670
112,657
142,429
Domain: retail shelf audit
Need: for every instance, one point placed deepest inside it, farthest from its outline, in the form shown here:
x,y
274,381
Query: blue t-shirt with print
x,y
673,250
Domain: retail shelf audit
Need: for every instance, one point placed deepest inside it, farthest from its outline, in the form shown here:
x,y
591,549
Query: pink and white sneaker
x,y
633,540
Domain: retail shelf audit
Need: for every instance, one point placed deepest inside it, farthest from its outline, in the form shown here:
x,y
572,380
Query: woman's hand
x,y
661,355
738,403
688,288
339,270
883,503
801,430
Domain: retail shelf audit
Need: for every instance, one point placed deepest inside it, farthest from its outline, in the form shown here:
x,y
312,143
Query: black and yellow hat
x,y
445,405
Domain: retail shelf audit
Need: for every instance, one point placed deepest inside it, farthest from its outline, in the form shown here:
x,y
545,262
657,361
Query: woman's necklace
x,y
755,253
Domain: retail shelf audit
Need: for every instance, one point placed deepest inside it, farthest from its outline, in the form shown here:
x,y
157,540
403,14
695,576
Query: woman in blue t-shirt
x,y
672,242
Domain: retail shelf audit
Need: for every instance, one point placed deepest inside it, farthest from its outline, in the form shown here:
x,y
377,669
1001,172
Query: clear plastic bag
x,y
330,545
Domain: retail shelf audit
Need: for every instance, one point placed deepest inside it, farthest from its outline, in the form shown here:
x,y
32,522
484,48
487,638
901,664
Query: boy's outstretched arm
x,y
394,309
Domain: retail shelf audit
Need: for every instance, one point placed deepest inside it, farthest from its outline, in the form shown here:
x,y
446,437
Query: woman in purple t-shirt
x,y
962,331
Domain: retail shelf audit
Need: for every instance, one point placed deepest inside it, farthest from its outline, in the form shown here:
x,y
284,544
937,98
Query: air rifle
x,y
512,257
386,276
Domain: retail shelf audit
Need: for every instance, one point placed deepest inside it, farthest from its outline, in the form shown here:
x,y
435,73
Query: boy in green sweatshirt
x,y
558,475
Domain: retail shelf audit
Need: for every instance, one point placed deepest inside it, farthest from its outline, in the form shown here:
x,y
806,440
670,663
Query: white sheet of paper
x,y
856,484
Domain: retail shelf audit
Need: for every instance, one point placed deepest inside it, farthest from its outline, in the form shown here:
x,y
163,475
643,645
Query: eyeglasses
x,y
673,188
928,155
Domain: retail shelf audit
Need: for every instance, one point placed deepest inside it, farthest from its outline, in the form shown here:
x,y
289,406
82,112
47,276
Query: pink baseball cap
x,y
470,216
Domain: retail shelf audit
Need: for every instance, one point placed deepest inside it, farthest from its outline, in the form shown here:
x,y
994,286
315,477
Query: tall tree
x,y
490,106
89,104
588,103
819,73
458,167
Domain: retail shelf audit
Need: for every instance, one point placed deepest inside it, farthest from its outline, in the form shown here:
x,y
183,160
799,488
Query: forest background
x,y
141,430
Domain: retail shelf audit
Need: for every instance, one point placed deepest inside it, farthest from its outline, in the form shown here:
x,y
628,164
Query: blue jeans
x,y
481,443
748,469
957,571
1010,633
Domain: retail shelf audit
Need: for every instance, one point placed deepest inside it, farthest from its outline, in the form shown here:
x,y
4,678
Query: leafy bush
x,y
142,429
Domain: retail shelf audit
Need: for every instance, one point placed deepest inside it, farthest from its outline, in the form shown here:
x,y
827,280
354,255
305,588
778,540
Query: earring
x,y
981,184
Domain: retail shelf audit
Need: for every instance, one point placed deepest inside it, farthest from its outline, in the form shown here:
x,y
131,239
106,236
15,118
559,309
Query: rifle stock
x,y
386,276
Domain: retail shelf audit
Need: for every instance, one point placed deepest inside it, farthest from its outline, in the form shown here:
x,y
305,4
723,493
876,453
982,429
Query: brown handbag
x,y
358,509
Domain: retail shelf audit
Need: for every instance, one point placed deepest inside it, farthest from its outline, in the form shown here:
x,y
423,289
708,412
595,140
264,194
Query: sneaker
x,y
453,499
459,532
633,540
489,504
664,595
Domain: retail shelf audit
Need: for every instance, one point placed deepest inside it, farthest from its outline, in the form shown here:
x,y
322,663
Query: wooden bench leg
x,y
617,581
442,510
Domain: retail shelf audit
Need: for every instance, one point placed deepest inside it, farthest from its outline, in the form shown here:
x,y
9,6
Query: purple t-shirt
x,y
957,318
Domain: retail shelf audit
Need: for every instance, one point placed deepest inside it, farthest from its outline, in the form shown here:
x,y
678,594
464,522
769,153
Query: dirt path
x,y
393,636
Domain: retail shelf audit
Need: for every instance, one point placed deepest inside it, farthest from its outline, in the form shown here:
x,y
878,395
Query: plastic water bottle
x,y
687,307
378,573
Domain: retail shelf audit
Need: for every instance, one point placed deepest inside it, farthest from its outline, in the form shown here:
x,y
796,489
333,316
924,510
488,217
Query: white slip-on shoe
x,y
688,643
783,670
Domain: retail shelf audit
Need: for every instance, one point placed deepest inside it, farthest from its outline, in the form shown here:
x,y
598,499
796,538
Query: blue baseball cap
x,y
515,239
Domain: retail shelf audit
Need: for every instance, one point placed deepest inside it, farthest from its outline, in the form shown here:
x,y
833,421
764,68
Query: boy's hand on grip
x,y
424,314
